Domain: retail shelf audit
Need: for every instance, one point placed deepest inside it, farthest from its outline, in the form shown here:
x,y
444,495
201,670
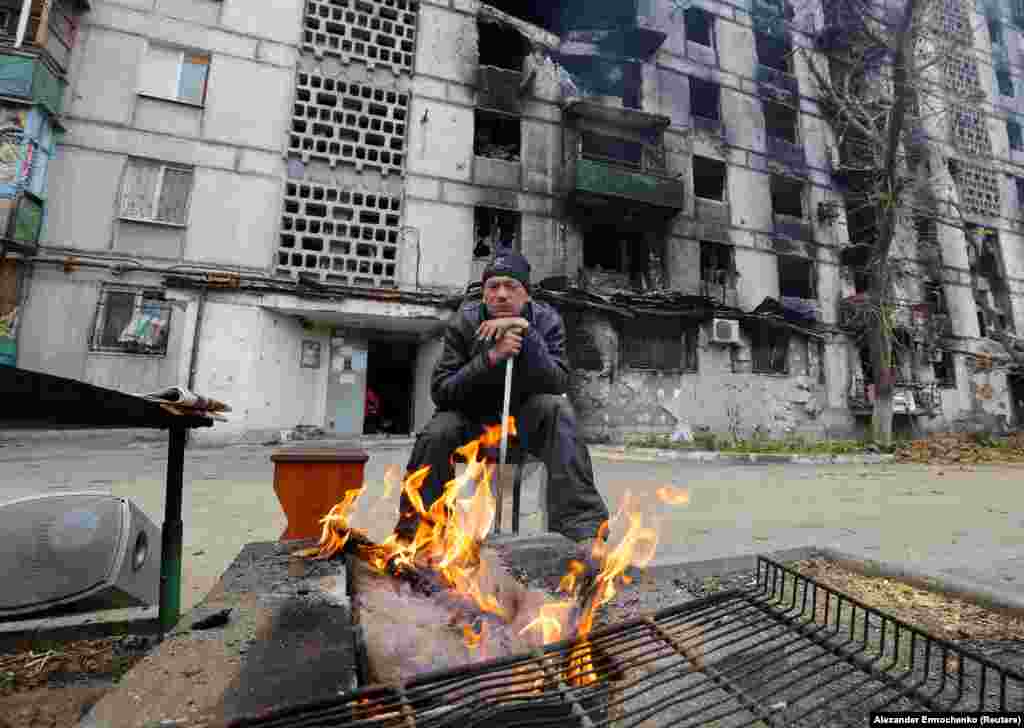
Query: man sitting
x,y
468,386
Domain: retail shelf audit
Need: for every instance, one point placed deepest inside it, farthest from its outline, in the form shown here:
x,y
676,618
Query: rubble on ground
x,y
962,448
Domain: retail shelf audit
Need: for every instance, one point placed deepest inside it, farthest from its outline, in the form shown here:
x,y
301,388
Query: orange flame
x,y
636,549
449,534
673,496
448,540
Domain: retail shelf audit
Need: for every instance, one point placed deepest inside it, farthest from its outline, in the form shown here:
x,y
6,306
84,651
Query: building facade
x,y
277,205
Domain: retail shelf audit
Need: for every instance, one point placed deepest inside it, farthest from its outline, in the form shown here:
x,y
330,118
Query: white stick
x,y
503,453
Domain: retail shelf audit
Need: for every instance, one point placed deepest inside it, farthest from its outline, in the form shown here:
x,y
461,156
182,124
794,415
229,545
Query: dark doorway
x,y
1017,397
389,388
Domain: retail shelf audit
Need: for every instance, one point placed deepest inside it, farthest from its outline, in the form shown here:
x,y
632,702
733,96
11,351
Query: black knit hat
x,y
509,264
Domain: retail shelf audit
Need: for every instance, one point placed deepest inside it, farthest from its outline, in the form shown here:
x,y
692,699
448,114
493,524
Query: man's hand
x,y
497,328
508,346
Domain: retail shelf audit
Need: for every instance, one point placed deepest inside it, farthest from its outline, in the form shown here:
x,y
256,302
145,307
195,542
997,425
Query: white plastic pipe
x,y
26,11
503,452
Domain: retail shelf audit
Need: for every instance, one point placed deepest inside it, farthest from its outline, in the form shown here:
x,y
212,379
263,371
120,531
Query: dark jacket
x,y
464,381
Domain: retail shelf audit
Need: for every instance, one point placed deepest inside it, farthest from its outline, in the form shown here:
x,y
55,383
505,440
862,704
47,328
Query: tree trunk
x,y
881,358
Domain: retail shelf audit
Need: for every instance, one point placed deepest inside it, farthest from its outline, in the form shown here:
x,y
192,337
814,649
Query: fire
x,y
447,545
673,496
448,537
636,549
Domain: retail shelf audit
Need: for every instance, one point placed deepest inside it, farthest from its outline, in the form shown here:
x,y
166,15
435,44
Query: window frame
x,y
157,191
784,179
768,105
718,104
812,274
639,332
181,53
709,19
725,177
96,345
765,337
492,240
717,250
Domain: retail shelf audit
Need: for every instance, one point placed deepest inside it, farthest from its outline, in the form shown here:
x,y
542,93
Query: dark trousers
x,y
546,428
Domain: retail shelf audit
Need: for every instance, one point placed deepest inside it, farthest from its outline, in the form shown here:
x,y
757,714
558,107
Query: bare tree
x,y
878,68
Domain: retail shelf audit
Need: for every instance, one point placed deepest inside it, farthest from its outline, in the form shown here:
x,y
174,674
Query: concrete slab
x,y
288,640
92,625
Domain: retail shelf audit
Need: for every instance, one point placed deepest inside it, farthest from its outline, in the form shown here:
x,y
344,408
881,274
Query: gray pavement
x,y
963,521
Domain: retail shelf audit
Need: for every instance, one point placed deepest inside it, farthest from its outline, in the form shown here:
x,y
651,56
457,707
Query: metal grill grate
x,y
786,652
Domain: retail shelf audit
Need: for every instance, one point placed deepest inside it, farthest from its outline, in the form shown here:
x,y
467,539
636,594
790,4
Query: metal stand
x,y
171,537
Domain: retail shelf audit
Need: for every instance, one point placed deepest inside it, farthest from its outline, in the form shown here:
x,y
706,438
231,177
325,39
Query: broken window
x,y
774,52
945,370
132,321
698,25
796,277
780,121
501,46
716,263
769,348
1014,133
705,99
495,229
603,247
1004,81
787,196
497,136
708,178
156,192
666,343
173,73
612,149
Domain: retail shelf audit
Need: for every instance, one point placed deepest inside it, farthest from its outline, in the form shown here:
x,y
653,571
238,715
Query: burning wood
x,y
447,562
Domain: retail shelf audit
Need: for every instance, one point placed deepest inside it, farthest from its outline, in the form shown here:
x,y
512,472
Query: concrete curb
x,y
984,595
638,454
91,625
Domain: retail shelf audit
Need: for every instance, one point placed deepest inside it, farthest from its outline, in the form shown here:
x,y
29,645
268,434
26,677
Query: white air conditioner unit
x,y
725,331
64,548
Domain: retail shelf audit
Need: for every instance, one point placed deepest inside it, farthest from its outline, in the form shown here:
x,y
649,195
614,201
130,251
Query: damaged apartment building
x,y
279,205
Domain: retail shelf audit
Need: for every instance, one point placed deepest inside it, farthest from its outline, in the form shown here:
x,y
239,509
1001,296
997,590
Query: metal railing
x,y
788,651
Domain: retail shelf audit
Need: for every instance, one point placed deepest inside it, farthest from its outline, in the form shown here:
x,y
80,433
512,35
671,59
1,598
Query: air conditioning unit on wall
x,y
725,331
65,548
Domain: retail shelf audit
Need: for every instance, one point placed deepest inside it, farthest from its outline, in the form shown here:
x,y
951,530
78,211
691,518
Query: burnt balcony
x,y
609,180
711,211
499,89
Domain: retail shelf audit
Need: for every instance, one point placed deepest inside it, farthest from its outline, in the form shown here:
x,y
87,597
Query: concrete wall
x,y
60,317
233,141
249,357
722,396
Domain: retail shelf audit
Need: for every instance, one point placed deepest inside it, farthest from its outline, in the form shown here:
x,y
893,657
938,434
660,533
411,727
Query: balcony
x,y
24,76
603,180
499,89
711,211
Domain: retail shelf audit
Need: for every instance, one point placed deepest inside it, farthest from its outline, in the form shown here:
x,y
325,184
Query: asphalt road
x,y
966,521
